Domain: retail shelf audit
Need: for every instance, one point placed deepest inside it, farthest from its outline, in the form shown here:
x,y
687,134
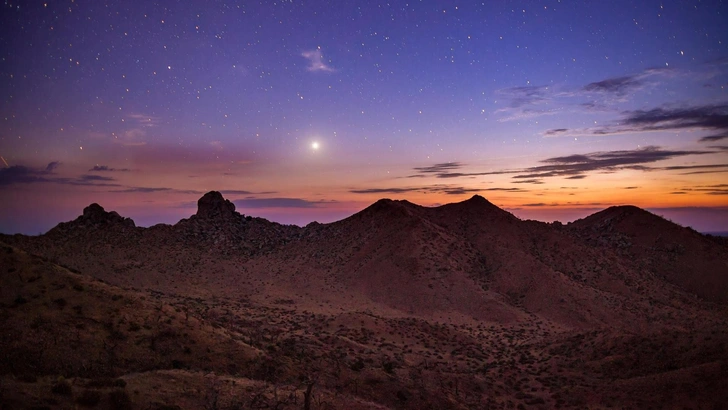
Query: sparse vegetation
x,y
62,387
119,400
89,398
425,310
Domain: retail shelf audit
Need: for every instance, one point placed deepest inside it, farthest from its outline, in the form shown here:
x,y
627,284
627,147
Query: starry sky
x,y
312,110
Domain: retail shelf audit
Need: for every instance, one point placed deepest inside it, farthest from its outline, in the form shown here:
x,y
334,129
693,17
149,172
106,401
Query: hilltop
x,y
397,306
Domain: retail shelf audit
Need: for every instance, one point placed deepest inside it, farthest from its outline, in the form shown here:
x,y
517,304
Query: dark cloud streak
x,y
104,168
616,85
256,203
713,138
576,166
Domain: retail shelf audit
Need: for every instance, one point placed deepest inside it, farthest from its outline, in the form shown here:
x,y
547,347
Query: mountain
x,y
661,248
398,306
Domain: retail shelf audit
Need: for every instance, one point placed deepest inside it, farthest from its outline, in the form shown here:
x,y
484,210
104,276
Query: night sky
x,y
312,110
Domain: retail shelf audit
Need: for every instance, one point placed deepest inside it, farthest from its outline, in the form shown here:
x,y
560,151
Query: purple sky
x,y
302,111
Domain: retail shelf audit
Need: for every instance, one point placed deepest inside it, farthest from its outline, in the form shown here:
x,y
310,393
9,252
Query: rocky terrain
x,y
398,306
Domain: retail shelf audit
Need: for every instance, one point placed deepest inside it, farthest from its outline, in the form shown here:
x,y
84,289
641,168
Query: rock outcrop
x,y
214,207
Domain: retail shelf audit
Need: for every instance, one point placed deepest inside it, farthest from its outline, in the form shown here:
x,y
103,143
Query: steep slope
x,y
661,248
387,256
398,306
544,269
81,326
70,340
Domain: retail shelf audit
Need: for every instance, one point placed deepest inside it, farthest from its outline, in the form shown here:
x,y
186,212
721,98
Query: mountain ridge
x,y
397,306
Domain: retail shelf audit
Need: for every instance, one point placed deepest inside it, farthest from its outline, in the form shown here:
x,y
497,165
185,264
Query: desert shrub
x,y
167,333
60,302
89,398
134,327
38,321
266,369
20,300
119,400
372,381
358,365
62,388
28,378
106,382
78,287
535,401
116,334
388,367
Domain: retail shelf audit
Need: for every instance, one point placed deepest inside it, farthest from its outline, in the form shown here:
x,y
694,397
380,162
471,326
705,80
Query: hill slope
x,y
397,306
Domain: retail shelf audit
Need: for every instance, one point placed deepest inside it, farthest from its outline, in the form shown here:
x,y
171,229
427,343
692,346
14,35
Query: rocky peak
x,y
96,215
94,211
213,206
478,200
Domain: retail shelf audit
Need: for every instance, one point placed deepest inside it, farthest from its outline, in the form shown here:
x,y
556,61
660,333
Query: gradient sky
x,y
549,109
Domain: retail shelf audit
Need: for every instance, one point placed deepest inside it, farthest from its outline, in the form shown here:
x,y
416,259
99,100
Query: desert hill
x,y
651,243
398,306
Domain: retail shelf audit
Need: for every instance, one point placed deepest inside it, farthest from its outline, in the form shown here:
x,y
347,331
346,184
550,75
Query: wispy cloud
x,y
574,167
616,85
713,138
444,170
526,95
20,174
105,168
144,120
90,178
51,167
256,203
716,189
439,168
149,190
714,117
236,192
527,102
433,189
578,165
384,190
137,126
316,61
691,167
528,181
628,84
695,118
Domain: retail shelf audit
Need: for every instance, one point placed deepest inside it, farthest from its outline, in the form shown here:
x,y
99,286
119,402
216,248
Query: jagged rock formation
x,y
213,206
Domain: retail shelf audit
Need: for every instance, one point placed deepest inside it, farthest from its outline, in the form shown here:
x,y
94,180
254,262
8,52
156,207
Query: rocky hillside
x,y
397,306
